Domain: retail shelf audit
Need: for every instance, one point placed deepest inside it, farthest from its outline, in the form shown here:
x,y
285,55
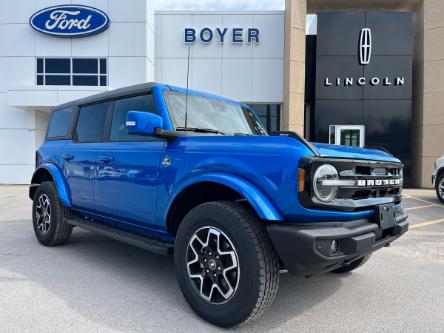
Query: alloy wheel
x,y
441,188
43,214
213,265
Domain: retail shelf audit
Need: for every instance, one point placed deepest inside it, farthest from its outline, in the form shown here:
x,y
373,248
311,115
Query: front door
x,y
128,167
347,135
79,155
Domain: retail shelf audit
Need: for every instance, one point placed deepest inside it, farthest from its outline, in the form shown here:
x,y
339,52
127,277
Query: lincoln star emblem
x,y
365,46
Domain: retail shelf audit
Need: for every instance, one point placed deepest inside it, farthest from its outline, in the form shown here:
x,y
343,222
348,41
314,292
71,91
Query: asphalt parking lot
x,y
94,284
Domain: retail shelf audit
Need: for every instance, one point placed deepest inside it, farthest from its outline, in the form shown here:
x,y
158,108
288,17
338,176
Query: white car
x,y
438,178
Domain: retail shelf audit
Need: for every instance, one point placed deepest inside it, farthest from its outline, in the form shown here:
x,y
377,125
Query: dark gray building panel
x,y
391,33
375,78
333,67
390,71
338,33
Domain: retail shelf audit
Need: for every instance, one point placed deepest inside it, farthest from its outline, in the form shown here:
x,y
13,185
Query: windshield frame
x,y
246,113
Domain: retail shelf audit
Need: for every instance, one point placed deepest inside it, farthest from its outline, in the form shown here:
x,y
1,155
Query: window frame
x,y
71,74
70,127
74,137
108,119
109,127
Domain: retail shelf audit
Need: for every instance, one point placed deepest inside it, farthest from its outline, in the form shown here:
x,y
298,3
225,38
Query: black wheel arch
x,y
40,175
195,195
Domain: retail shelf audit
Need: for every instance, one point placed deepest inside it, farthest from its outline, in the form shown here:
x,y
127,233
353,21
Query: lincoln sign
x,y
365,51
361,81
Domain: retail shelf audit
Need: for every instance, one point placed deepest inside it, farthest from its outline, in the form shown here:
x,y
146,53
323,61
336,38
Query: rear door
x,y
128,166
79,155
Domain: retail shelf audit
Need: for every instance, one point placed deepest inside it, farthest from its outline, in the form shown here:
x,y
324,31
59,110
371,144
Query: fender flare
x,y
59,180
264,208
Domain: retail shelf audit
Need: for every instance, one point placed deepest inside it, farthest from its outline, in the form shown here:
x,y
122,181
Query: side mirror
x,y
143,123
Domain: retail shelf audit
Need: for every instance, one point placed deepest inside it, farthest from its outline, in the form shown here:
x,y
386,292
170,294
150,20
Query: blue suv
x,y
186,173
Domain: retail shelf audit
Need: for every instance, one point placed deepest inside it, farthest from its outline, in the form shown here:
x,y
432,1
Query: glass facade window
x,y
269,114
72,72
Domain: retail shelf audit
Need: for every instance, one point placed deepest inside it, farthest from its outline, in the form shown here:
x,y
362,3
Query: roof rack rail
x,y
296,136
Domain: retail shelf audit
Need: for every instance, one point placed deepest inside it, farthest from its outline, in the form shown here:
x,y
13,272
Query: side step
x,y
151,244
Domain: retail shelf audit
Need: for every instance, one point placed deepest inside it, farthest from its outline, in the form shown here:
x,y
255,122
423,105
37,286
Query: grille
x,y
371,174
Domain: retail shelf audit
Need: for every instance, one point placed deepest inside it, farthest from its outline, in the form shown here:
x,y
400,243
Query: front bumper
x,y
305,248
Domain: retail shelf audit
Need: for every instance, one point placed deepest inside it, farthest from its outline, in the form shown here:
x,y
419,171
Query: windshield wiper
x,y
200,130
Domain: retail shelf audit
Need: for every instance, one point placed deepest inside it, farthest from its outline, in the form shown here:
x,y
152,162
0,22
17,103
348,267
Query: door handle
x,y
105,158
68,157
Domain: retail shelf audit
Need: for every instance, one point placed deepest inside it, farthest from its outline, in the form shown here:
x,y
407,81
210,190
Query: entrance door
x,y
347,135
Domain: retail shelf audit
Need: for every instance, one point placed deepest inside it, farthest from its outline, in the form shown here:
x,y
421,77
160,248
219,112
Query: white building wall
x,y
128,45
246,72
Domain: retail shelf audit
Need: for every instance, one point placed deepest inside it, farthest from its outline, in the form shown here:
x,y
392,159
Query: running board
x,y
151,244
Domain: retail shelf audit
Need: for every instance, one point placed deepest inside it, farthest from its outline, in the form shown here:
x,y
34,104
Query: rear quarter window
x,y
60,124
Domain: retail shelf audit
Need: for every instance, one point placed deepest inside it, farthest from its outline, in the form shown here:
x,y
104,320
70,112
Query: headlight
x,y
324,191
401,174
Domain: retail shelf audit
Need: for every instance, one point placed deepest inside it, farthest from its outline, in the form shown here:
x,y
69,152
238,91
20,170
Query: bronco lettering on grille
x,y
378,182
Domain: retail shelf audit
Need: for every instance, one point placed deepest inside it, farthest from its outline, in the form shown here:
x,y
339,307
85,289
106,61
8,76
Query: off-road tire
x,y
258,262
438,181
58,231
352,266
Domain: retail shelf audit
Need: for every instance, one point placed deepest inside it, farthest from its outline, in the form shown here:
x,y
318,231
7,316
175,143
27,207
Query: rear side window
x,y
60,124
119,132
91,123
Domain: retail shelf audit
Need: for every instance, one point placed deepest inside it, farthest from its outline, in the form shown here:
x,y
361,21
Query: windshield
x,y
209,113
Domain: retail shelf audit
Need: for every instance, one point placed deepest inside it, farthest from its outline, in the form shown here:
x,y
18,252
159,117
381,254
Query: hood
x,y
337,151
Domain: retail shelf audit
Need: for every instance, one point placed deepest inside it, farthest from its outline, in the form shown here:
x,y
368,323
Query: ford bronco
x,y
181,172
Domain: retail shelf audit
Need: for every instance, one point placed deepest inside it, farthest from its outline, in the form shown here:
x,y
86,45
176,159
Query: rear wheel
x,y
47,216
352,266
225,263
439,186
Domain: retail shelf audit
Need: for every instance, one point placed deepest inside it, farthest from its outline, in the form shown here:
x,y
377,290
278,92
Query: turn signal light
x,y
301,180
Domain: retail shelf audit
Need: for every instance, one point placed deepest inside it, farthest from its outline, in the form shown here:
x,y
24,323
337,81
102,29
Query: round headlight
x,y
324,191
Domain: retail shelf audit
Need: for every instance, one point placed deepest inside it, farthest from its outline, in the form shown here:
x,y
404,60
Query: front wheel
x,y
48,216
439,186
226,265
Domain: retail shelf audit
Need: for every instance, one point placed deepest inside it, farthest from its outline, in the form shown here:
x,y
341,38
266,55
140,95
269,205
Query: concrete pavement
x,y
97,284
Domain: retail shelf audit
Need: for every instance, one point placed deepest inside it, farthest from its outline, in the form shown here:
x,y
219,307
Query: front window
x,y
119,131
210,113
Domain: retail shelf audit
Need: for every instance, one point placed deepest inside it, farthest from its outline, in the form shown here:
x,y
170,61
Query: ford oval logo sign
x,y
70,21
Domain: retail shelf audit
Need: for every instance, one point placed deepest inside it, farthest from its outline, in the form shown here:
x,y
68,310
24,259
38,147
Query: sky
x,y
226,5
219,4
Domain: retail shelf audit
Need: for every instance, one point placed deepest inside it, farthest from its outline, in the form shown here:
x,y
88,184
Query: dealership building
x,y
360,73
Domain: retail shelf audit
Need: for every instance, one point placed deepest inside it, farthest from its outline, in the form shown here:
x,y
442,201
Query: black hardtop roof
x,y
111,94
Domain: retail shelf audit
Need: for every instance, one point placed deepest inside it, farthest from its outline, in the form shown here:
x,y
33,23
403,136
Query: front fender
x,y
59,180
261,204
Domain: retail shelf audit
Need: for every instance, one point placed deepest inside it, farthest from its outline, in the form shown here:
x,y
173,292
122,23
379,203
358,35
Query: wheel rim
x,y
43,214
213,265
441,188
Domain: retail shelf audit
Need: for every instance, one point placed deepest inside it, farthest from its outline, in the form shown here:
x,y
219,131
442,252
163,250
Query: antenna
x,y
186,93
